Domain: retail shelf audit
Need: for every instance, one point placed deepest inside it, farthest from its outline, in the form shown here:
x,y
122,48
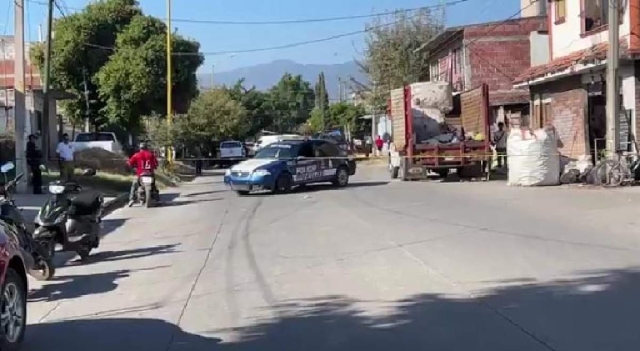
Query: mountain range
x,y
264,76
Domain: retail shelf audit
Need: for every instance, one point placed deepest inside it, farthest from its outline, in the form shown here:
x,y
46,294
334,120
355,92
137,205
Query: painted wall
x,y
566,35
539,48
533,8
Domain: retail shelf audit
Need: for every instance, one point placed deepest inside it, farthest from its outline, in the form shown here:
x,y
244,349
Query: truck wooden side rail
x,y
413,160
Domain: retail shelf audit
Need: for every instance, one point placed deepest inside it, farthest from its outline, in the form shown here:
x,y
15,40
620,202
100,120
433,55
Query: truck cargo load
x,y
424,141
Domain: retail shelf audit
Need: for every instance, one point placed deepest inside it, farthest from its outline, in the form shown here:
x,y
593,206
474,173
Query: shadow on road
x,y
105,256
205,193
72,286
186,202
592,311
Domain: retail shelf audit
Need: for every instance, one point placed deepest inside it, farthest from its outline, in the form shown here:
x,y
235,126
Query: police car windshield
x,y
280,151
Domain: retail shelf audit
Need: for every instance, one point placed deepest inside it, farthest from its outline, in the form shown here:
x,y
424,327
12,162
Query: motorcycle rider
x,y
143,160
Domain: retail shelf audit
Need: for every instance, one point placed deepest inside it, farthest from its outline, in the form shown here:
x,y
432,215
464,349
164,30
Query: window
x,y
88,137
541,115
561,10
230,145
306,150
325,149
596,14
434,71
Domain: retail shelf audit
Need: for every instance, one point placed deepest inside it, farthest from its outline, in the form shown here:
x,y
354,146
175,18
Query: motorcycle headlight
x,y
56,189
261,172
227,172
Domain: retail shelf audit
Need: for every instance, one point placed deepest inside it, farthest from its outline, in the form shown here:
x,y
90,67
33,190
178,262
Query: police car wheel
x,y
283,184
342,177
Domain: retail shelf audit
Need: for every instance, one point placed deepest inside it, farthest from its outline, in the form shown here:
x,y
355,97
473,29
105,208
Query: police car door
x,y
306,165
328,158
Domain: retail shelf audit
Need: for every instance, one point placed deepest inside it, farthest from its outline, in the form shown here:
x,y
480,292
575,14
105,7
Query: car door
x,y
306,168
328,157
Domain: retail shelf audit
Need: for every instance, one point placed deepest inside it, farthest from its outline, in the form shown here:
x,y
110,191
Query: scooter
x,y
147,192
71,218
39,263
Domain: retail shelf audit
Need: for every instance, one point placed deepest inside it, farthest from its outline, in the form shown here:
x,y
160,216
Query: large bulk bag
x,y
533,157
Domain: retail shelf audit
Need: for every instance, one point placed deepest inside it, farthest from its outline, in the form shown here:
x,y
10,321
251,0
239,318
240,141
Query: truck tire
x,y
442,173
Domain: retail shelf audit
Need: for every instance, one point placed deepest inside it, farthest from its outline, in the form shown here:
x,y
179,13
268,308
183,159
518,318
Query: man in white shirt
x,y
65,153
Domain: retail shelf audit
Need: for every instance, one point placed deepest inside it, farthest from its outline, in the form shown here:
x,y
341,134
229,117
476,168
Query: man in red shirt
x,y
143,160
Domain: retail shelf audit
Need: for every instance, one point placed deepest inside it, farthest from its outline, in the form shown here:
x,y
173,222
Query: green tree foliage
x,y
319,114
290,103
213,116
119,53
337,116
256,104
392,58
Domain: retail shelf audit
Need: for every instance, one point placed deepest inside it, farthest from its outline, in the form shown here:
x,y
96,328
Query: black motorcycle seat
x,y
86,203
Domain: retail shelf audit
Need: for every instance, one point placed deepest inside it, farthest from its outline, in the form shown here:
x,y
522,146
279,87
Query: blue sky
x,y
238,37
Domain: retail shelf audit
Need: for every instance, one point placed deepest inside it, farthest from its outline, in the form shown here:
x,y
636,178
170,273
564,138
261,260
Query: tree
x,y
290,102
133,82
255,102
119,53
319,114
393,57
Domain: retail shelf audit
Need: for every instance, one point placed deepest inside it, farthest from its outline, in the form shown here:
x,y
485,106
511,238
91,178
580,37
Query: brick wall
x,y
637,112
500,52
568,101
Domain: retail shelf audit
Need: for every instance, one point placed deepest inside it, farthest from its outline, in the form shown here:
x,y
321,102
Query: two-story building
x,y
493,53
569,91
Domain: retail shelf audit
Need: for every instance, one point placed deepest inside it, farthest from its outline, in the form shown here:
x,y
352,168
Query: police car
x,y
282,165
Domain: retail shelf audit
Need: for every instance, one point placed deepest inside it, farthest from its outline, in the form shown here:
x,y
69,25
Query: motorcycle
x,y
147,192
71,218
39,262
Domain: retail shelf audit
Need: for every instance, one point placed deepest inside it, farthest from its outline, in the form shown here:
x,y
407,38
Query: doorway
x,y
597,126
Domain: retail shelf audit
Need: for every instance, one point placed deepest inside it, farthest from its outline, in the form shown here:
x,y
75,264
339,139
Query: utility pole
x,y
169,79
339,89
613,87
46,136
20,113
87,124
373,118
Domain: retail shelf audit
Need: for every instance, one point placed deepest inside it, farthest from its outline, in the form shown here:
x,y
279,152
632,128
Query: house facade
x,y
492,53
33,96
569,92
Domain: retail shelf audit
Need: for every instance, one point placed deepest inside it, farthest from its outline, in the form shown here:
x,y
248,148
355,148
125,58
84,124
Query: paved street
x,y
377,266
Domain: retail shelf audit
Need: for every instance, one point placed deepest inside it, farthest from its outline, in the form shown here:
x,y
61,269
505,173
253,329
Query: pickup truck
x,y
100,140
231,152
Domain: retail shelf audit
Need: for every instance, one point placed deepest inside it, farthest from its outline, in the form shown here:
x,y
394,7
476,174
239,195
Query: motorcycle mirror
x,y
7,167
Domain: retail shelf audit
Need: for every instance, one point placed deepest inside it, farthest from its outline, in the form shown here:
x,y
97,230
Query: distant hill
x,y
264,76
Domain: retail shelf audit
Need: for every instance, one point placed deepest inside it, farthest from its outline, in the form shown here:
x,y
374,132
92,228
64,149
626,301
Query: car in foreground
x,y
280,166
14,283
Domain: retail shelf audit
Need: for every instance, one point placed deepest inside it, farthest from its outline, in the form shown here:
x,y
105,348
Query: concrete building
x,y
34,99
569,91
533,8
492,53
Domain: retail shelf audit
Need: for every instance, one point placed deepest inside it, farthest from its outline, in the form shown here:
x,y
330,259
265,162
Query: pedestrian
x,y
500,142
65,154
198,154
34,157
368,145
379,143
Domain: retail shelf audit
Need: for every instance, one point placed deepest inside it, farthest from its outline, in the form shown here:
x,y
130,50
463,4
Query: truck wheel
x,y
342,177
443,173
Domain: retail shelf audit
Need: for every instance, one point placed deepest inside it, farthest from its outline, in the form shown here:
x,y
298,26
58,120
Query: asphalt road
x,y
376,266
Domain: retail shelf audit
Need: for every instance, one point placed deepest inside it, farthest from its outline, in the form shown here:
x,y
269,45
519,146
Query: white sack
x,y
533,158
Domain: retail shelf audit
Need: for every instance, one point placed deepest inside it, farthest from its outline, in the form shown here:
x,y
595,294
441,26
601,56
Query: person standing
x,y
198,154
34,160
379,143
65,154
500,142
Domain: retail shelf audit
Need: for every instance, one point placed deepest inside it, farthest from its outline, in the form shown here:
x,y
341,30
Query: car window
x,y
306,150
279,151
230,145
326,149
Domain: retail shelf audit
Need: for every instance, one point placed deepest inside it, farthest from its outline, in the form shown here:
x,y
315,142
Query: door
x,y
328,155
306,167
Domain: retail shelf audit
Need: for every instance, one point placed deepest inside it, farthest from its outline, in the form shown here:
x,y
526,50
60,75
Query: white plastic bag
x,y
533,158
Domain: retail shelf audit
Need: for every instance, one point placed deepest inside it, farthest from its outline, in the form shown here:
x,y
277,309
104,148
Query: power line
x,y
294,21
279,47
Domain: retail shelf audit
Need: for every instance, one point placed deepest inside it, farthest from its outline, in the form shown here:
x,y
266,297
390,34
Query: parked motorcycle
x,y
39,262
148,193
71,218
